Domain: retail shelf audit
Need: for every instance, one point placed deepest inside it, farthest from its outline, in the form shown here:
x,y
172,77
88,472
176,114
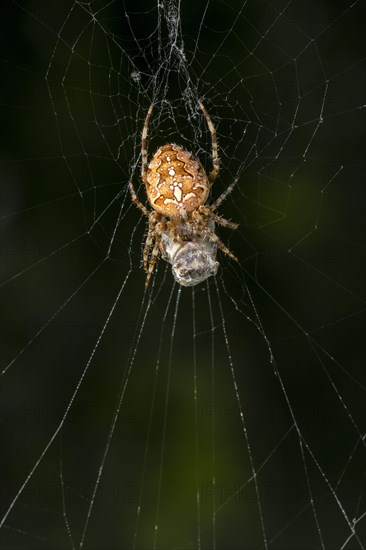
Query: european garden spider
x,y
181,227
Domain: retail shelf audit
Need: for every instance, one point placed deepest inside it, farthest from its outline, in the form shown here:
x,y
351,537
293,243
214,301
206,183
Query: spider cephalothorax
x,y
181,226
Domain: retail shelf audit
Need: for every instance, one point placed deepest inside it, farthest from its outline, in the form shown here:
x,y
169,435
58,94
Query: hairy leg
x,y
149,243
223,195
136,201
144,144
215,239
207,211
158,227
215,153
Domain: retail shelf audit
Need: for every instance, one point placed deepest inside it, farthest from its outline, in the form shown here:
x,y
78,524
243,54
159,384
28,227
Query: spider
x,y
181,228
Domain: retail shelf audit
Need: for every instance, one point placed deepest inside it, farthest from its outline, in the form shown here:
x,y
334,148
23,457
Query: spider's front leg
x,y
154,219
218,242
156,226
207,212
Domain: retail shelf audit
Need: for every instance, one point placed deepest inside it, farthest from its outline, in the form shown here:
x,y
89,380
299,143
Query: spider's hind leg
x,y
223,195
215,152
144,144
136,201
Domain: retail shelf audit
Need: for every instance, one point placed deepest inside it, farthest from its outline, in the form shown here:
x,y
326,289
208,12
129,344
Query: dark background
x,y
296,356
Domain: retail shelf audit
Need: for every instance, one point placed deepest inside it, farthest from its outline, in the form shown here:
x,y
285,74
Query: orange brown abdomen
x,y
176,182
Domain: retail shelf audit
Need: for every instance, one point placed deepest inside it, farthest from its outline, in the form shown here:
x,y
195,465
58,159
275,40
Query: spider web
x,y
230,415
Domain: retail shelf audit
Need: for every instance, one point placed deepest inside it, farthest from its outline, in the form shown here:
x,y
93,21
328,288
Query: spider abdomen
x,y
176,182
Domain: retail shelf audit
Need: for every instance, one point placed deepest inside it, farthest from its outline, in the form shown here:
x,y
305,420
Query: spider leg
x,y
144,144
154,218
223,195
155,252
136,200
144,163
215,239
215,154
148,244
216,218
